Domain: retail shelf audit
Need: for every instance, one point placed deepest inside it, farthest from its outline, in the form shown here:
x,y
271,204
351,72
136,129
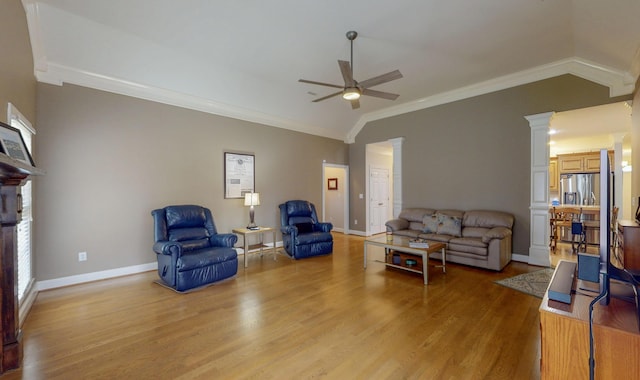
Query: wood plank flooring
x,y
323,317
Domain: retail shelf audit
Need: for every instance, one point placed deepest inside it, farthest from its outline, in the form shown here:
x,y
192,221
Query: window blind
x,y
24,227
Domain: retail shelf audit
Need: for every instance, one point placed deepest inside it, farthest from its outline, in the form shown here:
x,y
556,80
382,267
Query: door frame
x,y
346,193
389,170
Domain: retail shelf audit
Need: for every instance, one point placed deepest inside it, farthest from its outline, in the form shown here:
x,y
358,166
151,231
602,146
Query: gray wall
x,y
473,153
111,159
17,82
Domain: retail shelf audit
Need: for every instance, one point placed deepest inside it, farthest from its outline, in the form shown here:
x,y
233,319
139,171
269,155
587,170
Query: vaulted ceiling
x,y
243,58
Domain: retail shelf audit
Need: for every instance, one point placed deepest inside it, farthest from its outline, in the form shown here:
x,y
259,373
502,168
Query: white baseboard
x,y
94,276
520,258
356,232
111,273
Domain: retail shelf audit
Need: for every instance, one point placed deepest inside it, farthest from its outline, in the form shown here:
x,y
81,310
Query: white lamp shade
x,y
252,199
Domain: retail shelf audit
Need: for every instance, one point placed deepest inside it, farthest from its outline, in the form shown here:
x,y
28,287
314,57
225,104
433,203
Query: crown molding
x,y
58,74
619,83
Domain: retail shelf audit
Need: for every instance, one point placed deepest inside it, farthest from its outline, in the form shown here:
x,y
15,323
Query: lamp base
x,y
252,226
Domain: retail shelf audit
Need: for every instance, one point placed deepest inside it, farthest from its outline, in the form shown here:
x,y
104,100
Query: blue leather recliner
x,y
302,234
189,250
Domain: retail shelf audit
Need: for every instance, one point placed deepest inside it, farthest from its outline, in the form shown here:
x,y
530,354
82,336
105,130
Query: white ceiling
x,y
243,58
591,129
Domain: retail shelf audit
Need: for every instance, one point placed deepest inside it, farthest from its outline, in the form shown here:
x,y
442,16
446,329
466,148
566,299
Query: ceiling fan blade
x,y
327,97
345,68
320,83
355,104
384,78
379,94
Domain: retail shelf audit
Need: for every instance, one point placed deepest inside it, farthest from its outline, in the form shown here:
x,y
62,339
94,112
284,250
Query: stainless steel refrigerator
x,y
581,189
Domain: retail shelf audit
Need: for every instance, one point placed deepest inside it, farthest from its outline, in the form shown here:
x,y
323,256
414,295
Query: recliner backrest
x,y
298,211
190,225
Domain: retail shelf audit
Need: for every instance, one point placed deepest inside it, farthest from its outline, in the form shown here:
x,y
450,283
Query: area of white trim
x,y
57,74
520,258
118,272
619,83
95,276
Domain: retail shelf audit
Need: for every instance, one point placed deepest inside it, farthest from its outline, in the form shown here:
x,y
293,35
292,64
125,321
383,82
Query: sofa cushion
x,y
415,214
449,225
409,233
456,213
487,219
430,223
476,232
435,237
470,245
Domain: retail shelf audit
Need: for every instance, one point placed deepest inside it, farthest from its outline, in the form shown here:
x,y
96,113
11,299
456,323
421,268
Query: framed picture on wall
x,y
239,176
13,145
332,184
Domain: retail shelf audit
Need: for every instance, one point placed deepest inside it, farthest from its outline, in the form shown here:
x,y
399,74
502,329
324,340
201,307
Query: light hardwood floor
x,y
323,317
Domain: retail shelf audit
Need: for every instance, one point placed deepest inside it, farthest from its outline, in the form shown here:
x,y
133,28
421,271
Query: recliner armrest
x,y
289,230
496,233
324,227
167,248
223,240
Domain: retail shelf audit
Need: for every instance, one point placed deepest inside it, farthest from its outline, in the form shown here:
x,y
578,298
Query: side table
x,y
245,233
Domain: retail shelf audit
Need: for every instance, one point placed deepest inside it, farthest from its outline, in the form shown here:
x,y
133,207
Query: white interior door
x,y
378,199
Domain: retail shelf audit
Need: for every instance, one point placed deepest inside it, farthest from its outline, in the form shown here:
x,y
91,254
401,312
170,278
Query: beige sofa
x,y
479,238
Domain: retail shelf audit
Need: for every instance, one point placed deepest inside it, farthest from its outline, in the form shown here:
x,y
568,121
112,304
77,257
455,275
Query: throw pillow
x,y
430,224
304,228
449,225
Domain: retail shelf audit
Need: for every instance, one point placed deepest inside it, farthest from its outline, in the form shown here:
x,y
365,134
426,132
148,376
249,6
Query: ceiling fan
x,y
352,89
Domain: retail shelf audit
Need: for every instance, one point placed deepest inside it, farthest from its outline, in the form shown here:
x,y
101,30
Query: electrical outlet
x,y
82,256
355,221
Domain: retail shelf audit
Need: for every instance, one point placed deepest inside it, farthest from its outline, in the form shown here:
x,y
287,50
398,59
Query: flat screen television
x,y
606,198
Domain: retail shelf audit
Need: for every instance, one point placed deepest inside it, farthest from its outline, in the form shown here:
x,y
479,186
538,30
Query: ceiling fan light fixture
x,y
351,93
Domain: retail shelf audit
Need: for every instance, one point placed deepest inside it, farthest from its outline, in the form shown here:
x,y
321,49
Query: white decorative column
x,y
539,202
397,175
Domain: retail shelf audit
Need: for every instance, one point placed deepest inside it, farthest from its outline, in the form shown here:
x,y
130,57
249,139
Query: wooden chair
x,y
554,217
614,227
571,218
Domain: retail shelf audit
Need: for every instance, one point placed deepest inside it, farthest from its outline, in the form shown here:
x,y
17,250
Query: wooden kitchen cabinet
x,y
581,162
553,174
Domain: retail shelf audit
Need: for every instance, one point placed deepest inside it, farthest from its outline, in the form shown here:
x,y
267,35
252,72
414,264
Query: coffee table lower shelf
x,y
402,267
401,245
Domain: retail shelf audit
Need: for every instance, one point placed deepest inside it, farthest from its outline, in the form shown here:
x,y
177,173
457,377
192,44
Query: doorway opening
x,y
335,196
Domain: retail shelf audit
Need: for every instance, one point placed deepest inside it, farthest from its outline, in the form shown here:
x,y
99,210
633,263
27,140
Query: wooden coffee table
x,y
401,244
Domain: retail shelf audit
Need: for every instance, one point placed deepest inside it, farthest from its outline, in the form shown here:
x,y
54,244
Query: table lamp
x,y
252,199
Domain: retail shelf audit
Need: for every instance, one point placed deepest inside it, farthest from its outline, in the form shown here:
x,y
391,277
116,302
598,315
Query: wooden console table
x,y
13,174
629,244
565,339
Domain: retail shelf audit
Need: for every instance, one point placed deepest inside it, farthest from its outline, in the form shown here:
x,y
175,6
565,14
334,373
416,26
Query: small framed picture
x,y
13,145
332,184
